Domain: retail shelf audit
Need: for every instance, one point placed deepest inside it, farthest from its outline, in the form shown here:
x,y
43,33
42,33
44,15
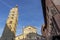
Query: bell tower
x,y
10,26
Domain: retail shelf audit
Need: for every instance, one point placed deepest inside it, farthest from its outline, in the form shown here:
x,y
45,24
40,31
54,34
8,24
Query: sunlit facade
x,y
10,26
29,33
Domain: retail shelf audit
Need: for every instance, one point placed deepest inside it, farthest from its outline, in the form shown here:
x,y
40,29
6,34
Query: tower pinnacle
x,y
10,27
16,5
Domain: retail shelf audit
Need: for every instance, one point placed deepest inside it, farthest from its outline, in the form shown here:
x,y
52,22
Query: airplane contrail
x,y
5,3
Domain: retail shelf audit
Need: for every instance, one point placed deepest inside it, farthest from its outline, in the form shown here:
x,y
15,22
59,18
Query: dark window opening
x,y
12,14
11,17
56,37
43,29
10,22
29,28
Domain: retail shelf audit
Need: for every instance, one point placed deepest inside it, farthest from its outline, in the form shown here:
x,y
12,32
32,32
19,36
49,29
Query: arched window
x,y
12,14
10,22
11,17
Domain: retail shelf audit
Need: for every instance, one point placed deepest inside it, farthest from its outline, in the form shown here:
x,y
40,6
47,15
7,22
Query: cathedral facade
x,y
29,33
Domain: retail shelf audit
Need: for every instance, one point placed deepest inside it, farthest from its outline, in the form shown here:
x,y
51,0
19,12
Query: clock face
x,y
56,2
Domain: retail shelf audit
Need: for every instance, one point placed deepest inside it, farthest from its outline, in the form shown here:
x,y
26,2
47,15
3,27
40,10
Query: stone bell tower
x,y
10,26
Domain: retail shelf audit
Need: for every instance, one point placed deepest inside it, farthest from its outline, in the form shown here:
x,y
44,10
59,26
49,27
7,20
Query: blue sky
x,y
30,13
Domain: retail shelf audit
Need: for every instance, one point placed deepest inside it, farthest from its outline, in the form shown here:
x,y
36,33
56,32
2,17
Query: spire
x,y
16,6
